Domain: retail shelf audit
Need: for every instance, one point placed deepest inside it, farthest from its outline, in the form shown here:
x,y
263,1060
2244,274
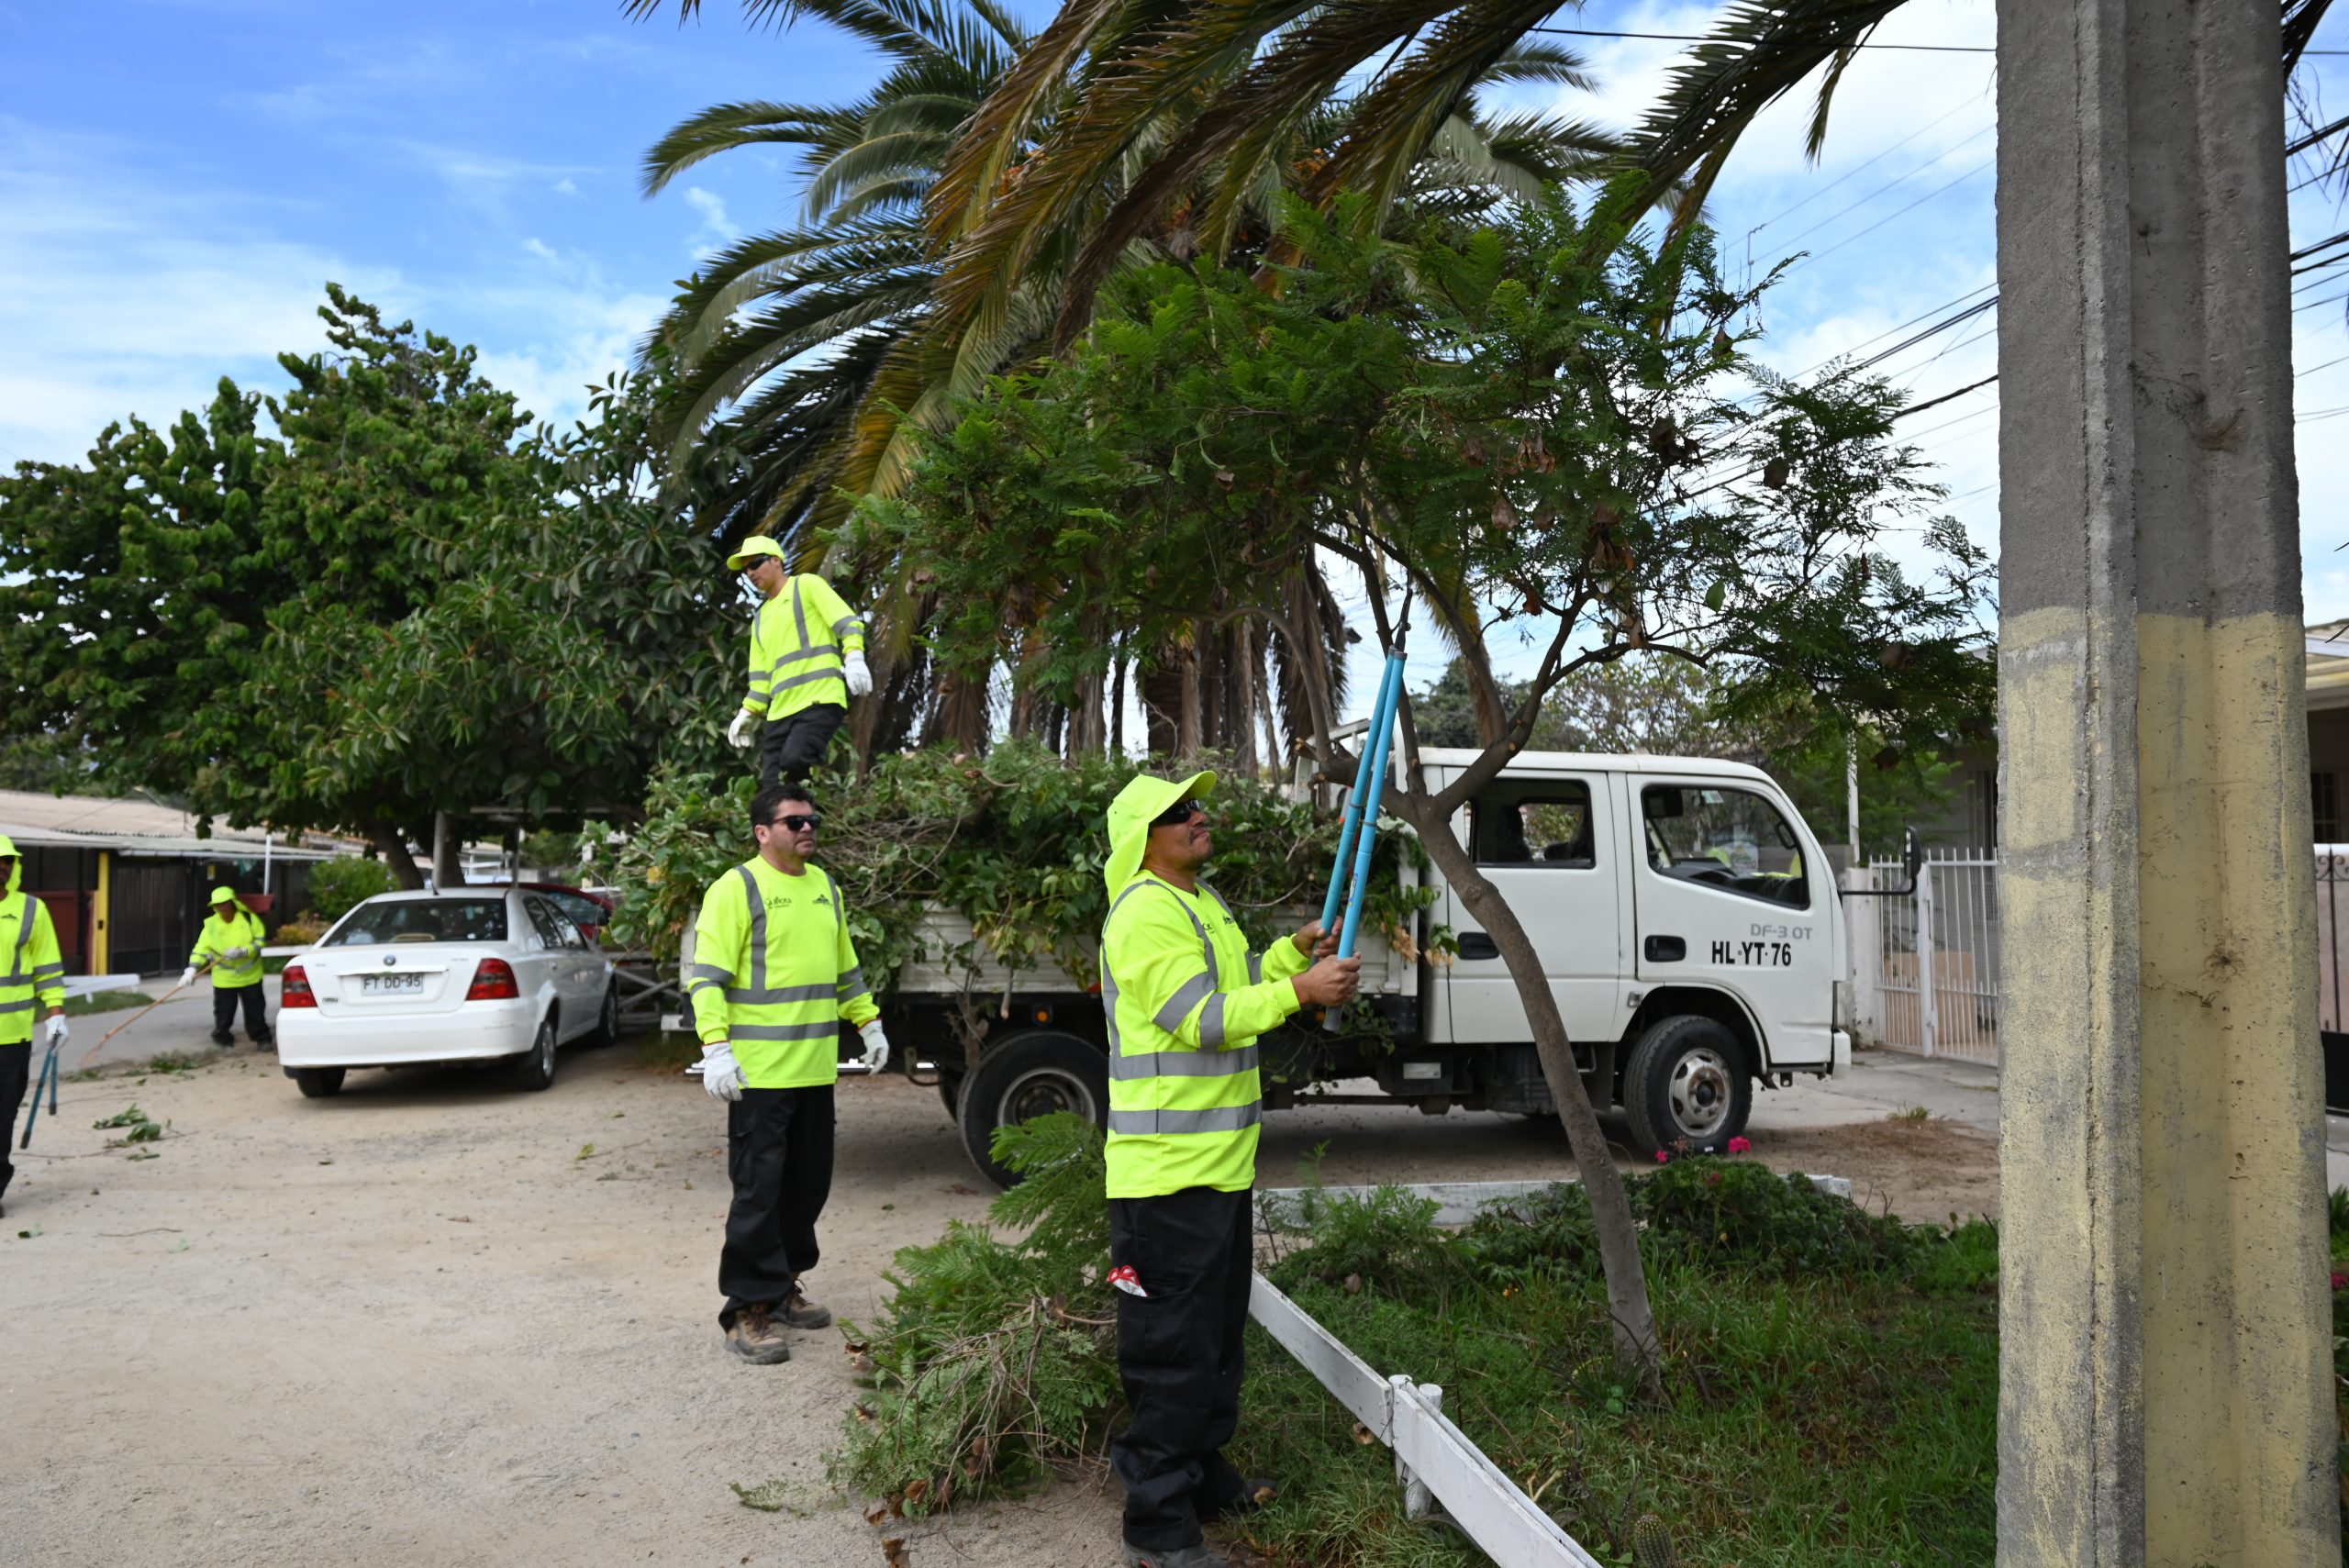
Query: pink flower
x,y
1662,1156
2340,1280
1740,1146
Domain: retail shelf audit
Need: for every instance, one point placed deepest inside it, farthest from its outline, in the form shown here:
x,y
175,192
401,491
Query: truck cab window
x,y
1730,838
1534,823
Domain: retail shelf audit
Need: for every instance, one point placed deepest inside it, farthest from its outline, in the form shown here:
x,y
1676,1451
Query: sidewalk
x,y
1949,1089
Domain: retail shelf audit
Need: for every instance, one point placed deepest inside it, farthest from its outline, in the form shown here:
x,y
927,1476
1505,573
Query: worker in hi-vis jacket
x,y
806,661
1186,1001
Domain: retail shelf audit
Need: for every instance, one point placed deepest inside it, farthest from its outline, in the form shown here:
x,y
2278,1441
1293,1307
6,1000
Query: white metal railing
x,y
1433,1459
1928,980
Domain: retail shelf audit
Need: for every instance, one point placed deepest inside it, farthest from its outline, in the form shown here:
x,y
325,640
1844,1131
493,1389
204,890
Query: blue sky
x,y
178,179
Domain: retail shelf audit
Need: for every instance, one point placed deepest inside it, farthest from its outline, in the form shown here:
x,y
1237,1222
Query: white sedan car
x,y
464,975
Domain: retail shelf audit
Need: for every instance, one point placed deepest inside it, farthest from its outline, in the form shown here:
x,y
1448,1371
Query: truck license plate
x,y
385,984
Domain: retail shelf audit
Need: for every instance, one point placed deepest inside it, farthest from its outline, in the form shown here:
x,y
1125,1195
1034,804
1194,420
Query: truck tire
x,y
1028,1075
1687,1087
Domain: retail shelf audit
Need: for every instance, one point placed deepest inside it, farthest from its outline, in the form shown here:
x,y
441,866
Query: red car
x,y
590,912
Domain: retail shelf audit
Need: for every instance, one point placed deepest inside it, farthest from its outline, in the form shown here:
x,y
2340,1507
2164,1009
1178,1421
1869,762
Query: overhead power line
x,y
1779,43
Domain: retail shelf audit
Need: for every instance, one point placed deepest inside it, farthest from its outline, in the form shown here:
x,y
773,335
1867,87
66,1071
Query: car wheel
x,y
1027,1076
534,1069
1688,1084
607,1019
319,1083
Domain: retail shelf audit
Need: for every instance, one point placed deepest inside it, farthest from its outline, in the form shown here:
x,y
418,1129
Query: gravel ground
x,y
436,1321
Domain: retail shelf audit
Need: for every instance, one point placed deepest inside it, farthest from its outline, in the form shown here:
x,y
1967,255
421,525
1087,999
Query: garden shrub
x,y
339,884
1735,1210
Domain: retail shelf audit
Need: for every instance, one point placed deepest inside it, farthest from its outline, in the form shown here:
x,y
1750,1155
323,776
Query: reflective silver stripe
x,y
826,1030
777,996
852,986
781,686
1183,1063
1194,991
799,614
24,1006
56,968
1211,1022
758,927
1255,969
845,624
716,971
1221,1118
822,650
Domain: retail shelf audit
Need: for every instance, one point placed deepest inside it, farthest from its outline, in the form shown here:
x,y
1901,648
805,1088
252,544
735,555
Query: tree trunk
x,y
1637,1353
1118,703
1260,677
1239,681
448,851
392,844
1162,703
1188,729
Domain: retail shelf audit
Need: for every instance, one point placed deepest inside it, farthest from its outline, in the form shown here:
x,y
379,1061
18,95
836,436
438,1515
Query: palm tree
x,y
806,361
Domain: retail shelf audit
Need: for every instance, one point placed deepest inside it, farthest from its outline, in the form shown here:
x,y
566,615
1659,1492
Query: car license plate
x,y
389,985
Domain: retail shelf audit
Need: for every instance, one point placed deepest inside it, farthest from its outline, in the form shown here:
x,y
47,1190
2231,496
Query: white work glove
x,y
876,1046
56,1031
237,955
187,977
720,1074
860,675
738,734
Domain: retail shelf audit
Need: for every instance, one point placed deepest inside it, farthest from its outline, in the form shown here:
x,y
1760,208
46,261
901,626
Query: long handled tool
x,y
1364,811
1389,681
32,1112
90,1055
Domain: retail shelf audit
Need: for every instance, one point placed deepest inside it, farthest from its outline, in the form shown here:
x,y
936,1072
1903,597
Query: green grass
x,y
1825,1423
105,1002
662,1051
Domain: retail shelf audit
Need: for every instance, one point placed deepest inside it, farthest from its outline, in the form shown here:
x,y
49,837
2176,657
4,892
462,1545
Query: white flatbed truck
x,y
1685,914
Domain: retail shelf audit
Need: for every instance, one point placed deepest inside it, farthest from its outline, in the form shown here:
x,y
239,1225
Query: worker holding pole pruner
x,y
32,979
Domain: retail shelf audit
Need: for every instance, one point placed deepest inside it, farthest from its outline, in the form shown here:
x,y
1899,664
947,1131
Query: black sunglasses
x,y
796,824
1175,815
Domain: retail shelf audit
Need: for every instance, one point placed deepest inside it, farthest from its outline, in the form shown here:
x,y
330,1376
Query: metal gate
x,y
1934,964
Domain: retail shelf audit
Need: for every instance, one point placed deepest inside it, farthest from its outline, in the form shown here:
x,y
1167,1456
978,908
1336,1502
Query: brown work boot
x,y
756,1338
802,1313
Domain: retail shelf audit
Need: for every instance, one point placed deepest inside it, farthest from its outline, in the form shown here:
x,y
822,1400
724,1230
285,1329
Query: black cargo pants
x,y
1179,1354
16,1072
790,746
255,1001
779,1156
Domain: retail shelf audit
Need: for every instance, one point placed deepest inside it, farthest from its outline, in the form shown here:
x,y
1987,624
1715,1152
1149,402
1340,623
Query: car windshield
x,y
421,921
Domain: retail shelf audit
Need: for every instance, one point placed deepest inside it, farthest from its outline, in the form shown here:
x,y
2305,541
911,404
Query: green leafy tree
x,y
339,885
1503,425
402,605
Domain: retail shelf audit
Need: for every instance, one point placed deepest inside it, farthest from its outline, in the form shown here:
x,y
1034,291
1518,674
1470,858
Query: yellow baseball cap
x,y
752,548
1131,813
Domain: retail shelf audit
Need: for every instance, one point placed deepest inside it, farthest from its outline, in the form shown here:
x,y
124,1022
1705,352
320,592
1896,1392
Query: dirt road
x,y
436,1321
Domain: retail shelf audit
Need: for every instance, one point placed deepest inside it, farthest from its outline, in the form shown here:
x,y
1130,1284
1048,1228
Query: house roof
x,y
139,827
2328,665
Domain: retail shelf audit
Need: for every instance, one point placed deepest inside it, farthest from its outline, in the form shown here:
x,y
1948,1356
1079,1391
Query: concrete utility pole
x,y
2166,1381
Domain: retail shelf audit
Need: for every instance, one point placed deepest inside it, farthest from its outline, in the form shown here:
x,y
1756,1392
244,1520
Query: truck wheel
x,y
1026,1077
1687,1082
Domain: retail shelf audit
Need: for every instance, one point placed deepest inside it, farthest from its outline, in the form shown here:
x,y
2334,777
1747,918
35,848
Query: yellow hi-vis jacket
x,y
221,935
33,970
797,647
1186,1001
774,973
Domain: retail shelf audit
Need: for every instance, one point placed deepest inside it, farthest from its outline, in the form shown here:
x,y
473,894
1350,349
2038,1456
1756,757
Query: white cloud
x,y
715,229
564,187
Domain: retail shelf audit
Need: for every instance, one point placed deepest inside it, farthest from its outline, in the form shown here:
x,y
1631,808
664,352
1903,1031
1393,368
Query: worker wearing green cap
x,y
806,661
1186,1001
32,980
230,944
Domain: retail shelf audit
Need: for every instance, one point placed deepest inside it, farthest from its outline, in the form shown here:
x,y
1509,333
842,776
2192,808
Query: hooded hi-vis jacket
x,y
33,970
798,646
1186,1001
774,973
221,935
